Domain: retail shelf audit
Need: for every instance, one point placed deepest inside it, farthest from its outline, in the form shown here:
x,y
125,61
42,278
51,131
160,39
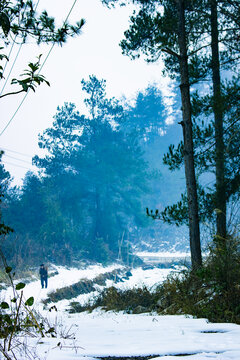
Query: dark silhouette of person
x,y
43,272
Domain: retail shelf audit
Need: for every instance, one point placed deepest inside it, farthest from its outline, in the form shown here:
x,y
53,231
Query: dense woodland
x,y
99,173
102,168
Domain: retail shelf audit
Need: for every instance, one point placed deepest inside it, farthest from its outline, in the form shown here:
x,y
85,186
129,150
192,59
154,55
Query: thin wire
x,y
14,158
19,106
5,83
14,114
23,167
16,152
69,13
9,54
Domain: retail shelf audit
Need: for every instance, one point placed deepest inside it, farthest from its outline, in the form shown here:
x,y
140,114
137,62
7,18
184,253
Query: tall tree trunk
x,y
220,197
194,231
97,230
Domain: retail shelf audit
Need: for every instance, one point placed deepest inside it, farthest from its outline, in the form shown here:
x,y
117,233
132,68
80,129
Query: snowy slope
x,y
101,334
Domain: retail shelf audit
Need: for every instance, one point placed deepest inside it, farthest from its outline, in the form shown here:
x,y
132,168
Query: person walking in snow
x,y
43,272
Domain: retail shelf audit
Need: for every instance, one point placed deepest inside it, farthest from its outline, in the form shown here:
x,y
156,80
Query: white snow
x,y
102,334
163,254
64,278
149,278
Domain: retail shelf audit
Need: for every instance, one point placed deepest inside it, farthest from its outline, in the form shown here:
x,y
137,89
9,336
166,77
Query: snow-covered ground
x,y
109,334
101,334
164,257
65,277
163,254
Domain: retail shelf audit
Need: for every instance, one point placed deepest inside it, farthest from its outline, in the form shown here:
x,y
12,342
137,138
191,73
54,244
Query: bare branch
x,y
170,52
12,93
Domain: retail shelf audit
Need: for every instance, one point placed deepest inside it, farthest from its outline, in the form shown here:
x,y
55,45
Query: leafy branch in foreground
x,y
31,79
19,319
19,22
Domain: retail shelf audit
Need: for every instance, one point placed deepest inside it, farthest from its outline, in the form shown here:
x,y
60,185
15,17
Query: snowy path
x,y
100,334
120,335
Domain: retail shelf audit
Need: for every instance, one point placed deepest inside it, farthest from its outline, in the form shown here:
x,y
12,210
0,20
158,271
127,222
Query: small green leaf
x,y
20,286
5,23
8,269
4,305
50,330
7,319
30,301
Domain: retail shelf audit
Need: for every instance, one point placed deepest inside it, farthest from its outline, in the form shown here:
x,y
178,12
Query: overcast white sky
x,y
96,51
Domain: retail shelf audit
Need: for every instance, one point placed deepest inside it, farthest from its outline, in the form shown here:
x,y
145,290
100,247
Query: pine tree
x,y
152,31
103,171
220,26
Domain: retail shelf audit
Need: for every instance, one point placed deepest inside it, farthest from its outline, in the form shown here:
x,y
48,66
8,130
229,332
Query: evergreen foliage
x,y
211,28
101,165
91,190
214,117
4,184
166,26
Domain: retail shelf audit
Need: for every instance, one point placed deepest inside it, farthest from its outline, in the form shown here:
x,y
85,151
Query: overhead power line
x,y
23,167
49,52
67,17
14,158
14,62
16,152
8,56
16,111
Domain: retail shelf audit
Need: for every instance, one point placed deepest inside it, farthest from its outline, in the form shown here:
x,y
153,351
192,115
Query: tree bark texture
x,y
220,197
194,231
